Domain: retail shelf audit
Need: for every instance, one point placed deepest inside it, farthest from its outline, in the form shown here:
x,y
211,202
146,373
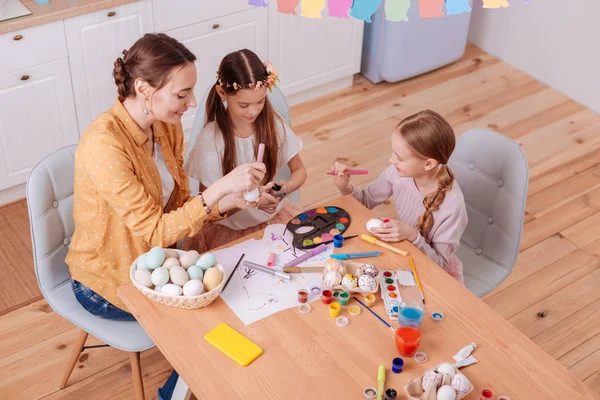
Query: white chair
x,y
50,203
278,102
493,174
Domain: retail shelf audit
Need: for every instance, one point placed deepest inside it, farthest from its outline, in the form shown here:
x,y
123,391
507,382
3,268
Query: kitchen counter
x,y
55,11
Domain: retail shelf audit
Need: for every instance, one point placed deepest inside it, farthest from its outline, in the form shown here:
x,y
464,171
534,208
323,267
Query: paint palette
x,y
313,227
390,293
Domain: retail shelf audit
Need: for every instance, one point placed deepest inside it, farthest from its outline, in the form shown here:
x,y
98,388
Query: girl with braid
x,y
430,206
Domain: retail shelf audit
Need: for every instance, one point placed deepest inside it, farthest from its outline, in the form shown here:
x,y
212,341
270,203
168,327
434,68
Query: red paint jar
x,y
302,296
326,296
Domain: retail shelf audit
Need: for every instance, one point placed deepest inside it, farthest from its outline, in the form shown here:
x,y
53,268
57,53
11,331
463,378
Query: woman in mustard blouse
x,y
131,192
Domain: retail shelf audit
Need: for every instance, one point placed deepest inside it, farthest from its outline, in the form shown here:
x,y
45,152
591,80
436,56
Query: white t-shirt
x,y
166,179
204,165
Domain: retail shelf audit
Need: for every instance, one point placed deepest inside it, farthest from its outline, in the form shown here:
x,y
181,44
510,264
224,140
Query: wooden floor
x,y
552,296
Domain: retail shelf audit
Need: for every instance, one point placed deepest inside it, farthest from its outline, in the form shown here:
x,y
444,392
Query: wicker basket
x,y
187,302
351,268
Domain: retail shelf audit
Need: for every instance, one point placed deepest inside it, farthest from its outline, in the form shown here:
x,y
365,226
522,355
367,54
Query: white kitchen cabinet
x,y
313,52
94,42
37,117
210,41
169,14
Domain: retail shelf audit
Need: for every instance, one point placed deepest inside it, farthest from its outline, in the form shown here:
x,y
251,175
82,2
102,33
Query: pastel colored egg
x,y
367,283
349,281
431,377
333,264
446,392
212,278
170,253
172,289
195,272
143,277
193,287
178,275
332,279
206,261
170,262
160,276
189,258
155,257
141,262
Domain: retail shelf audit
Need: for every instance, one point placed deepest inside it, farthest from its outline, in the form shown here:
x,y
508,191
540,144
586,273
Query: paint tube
x,y
466,362
464,352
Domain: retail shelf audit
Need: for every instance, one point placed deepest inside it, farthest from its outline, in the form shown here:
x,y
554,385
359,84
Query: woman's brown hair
x,y
244,68
151,58
431,136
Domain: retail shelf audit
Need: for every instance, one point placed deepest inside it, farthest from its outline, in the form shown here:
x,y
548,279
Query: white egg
x,y
193,287
446,369
332,279
189,258
461,384
143,277
446,392
172,289
155,257
374,223
178,275
195,272
367,283
212,278
170,253
430,377
170,262
141,262
157,288
252,195
160,276
206,261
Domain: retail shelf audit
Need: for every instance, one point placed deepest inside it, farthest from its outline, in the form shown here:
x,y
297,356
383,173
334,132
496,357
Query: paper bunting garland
x,y
395,10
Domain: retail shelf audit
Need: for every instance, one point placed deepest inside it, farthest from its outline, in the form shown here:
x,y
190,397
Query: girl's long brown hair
x,y
243,67
431,136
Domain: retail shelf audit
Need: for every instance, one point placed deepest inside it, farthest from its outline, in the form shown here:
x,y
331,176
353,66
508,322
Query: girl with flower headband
x,y
239,117
430,206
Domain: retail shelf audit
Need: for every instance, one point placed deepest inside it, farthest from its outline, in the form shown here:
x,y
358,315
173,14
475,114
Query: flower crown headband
x,y
269,82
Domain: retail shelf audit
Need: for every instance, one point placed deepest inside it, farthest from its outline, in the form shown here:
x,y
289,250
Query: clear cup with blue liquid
x,y
411,312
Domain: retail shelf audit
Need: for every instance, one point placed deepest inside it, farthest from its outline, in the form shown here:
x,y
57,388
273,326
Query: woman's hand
x,y
341,180
267,202
244,177
395,231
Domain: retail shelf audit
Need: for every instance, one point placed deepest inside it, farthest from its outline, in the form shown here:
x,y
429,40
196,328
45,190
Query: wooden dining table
x,y
307,356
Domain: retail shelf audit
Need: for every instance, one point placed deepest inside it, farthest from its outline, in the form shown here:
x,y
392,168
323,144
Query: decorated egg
x,y
178,275
193,287
461,384
446,392
170,253
349,281
252,195
195,272
143,277
172,289
430,377
371,270
374,223
212,278
141,262
155,257
189,258
446,369
170,262
332,279
206,261
367,283
333,265
160,276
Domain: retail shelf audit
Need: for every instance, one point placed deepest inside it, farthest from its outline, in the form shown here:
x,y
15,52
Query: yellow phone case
x,y
236,346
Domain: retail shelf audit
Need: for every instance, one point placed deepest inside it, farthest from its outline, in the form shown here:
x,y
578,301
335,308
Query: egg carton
x,y
390,293
351,268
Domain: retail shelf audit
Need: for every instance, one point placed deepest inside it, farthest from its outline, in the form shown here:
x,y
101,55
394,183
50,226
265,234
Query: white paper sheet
x,y
254,295
405,278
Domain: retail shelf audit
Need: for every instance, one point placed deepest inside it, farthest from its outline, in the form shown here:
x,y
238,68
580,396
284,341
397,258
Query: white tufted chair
x,y
50,204
493,174
278,102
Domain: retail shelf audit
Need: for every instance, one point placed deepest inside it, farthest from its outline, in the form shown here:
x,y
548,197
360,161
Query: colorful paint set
x,y
313,227
390,293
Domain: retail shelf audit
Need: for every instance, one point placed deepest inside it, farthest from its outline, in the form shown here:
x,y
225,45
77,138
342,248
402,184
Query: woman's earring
x,y
225,104
145,110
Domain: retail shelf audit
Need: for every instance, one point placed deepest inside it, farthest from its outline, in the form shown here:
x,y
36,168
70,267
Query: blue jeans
x,y
102,308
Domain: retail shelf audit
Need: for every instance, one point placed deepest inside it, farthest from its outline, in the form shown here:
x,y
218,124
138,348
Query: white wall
x,y
555,41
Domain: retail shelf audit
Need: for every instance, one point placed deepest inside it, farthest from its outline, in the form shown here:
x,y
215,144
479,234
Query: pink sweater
x,y
449,222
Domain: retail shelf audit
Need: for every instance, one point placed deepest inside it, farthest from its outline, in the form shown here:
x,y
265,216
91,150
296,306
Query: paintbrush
x,y
375,314
233,272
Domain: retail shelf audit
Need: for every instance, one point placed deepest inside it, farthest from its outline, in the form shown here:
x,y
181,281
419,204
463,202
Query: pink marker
x,y
271,260
261,152
351,172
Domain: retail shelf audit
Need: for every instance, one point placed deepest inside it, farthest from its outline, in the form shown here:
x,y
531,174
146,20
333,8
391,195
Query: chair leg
x,y
136,372
74,356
